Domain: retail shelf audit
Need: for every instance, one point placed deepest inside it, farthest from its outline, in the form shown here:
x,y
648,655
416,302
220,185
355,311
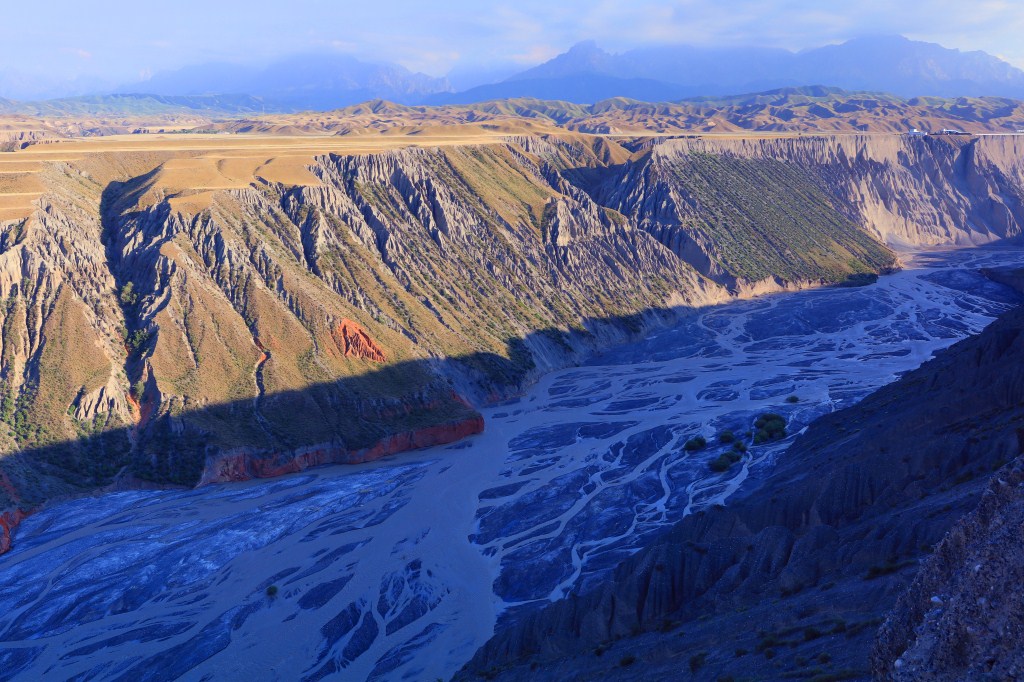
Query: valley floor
x,y
402,568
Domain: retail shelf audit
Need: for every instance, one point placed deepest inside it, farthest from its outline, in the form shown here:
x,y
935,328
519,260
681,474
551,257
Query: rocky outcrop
x,y
9,520
1013,278
12,515
963,617
354,342
806,560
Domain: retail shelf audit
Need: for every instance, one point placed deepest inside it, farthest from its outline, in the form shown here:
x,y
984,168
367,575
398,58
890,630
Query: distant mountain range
x,y
585,74
301,82
138,105
803,109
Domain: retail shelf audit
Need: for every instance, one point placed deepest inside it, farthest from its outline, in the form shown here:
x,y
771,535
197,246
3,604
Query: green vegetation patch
x,y
696,443
764,218
768,427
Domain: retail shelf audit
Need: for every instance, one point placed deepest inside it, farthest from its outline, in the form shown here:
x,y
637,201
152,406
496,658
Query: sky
x,y
97,43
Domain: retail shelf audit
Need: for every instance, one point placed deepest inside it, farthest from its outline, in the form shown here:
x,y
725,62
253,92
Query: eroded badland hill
x,y
181,309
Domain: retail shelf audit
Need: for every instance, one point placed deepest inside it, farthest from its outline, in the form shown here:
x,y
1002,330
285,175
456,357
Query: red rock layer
x,y
243,465
9,518
8,522
135,408
353,341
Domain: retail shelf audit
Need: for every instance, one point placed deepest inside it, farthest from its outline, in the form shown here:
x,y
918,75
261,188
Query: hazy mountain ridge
x,y
886,63
136,104
316,81
579,88
587,74
805,109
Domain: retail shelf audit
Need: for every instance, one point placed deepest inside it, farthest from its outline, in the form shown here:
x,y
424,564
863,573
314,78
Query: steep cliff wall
x,y
710,199
906,191
164,321
166,312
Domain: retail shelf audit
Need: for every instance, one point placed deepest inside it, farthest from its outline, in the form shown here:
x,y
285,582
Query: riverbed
x,y
400,569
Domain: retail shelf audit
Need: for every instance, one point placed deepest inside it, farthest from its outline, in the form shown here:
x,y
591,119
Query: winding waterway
x,y
400,569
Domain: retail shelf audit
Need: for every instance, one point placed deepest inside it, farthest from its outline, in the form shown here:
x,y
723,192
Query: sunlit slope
x,y
744,210
166,309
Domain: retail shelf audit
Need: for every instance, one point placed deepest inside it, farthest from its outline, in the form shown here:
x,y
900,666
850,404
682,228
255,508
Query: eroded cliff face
x,y
914,191
963,617
710,199
168,322
182,336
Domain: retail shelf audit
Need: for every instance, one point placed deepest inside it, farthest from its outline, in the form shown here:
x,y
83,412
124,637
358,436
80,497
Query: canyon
x,y
181,311
400,568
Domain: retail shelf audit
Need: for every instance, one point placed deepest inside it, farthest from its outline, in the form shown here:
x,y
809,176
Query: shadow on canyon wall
x,y
390,408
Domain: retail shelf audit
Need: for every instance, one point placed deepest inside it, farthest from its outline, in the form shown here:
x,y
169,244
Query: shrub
x,y
859,279
720,464
627,660
726,437
272,591
792,399
769,426
739,447
137,339
696,443
770,421
128,295
697,661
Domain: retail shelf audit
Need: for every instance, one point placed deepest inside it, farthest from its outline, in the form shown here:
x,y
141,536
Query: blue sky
x,y
118,41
